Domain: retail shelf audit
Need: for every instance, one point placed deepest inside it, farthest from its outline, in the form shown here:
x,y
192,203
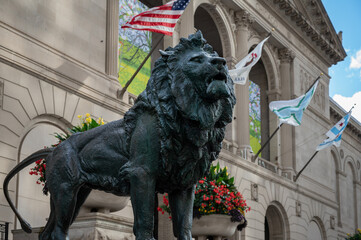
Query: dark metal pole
x,y
265,144
299,173
313,83
6,231
121,93
270,33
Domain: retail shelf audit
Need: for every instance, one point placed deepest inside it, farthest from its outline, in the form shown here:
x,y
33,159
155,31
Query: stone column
x,y
187,18
274,144
111,58
241,124
171,41
287,131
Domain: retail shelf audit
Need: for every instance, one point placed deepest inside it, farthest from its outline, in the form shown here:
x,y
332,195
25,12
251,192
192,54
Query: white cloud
x,y
347,50
356,62
347,102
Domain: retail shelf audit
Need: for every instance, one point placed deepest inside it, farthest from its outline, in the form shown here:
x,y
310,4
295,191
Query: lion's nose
x,y
220,62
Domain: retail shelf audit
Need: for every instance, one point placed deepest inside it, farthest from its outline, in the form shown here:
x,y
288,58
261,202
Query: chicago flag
x,y
291,111
335,133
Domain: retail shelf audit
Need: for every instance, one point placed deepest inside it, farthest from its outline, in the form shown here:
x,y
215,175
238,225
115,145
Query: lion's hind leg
x,y
65,198
46,233
83,193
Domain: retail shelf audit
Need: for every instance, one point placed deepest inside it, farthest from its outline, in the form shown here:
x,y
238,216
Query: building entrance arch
x,y
276,223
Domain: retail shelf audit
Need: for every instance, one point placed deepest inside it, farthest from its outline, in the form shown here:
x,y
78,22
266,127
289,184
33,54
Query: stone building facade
x,y
58,60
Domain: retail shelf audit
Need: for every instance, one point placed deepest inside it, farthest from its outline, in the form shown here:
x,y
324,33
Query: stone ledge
x,y
92,226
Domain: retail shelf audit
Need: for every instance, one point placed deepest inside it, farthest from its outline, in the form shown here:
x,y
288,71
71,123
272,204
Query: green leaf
x,y
231,181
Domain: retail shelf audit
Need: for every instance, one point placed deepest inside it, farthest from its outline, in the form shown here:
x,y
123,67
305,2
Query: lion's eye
x,y
196,59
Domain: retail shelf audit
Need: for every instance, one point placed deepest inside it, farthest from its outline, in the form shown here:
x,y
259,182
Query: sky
x,y
345,84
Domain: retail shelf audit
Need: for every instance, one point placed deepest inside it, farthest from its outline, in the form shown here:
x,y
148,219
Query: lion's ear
x,y
165,54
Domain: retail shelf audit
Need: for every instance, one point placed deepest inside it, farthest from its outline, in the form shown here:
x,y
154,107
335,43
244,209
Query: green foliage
x,y
221,176
215,194
356,236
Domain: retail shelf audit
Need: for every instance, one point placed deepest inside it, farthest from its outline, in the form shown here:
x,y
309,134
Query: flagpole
x,y
314,82
270,33
299,173
265,144
121,93
278,128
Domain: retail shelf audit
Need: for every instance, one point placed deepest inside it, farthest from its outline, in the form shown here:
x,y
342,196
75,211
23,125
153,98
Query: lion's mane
x,y
191,137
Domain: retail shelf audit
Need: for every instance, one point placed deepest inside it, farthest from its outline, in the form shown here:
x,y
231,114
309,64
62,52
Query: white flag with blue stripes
x,y
291,111
335,134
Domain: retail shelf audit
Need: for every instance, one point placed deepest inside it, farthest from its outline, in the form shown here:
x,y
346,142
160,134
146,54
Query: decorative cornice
x,y
324,37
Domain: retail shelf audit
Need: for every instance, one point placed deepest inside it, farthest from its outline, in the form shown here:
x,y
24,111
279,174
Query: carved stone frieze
x,y
286,55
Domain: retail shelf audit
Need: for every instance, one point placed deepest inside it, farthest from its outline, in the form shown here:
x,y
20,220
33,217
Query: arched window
x,y
276,226
314,231
204,22
258,109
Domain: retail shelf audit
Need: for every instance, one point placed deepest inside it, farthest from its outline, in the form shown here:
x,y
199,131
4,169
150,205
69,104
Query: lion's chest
x,y
186,162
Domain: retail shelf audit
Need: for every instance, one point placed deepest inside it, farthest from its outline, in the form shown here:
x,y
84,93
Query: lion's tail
x,y
23,164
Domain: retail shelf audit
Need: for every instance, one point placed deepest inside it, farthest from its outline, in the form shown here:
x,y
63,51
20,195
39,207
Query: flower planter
x,y
100,201
214,225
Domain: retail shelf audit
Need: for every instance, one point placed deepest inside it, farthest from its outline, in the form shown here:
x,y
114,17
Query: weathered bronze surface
x,y
165,143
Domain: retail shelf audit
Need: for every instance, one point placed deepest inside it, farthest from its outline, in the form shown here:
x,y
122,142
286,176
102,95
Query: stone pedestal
x,y
91,226
97,226
19,234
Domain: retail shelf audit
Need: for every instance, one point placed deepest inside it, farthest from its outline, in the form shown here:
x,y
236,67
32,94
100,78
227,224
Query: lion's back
x,y
99,152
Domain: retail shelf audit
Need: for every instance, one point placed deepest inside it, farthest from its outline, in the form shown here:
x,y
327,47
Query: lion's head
x,y
195,79
193,95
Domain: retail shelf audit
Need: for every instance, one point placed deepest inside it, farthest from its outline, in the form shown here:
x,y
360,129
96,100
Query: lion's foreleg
x,y
181,204
142,190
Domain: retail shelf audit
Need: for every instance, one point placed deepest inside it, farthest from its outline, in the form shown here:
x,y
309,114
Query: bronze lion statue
x,y
165,143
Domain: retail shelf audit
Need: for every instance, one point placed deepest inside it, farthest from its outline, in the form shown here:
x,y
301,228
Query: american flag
x,y
161,19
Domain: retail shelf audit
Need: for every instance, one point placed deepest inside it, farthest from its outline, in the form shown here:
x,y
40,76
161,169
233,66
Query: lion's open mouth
x,y
217,87
218,77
